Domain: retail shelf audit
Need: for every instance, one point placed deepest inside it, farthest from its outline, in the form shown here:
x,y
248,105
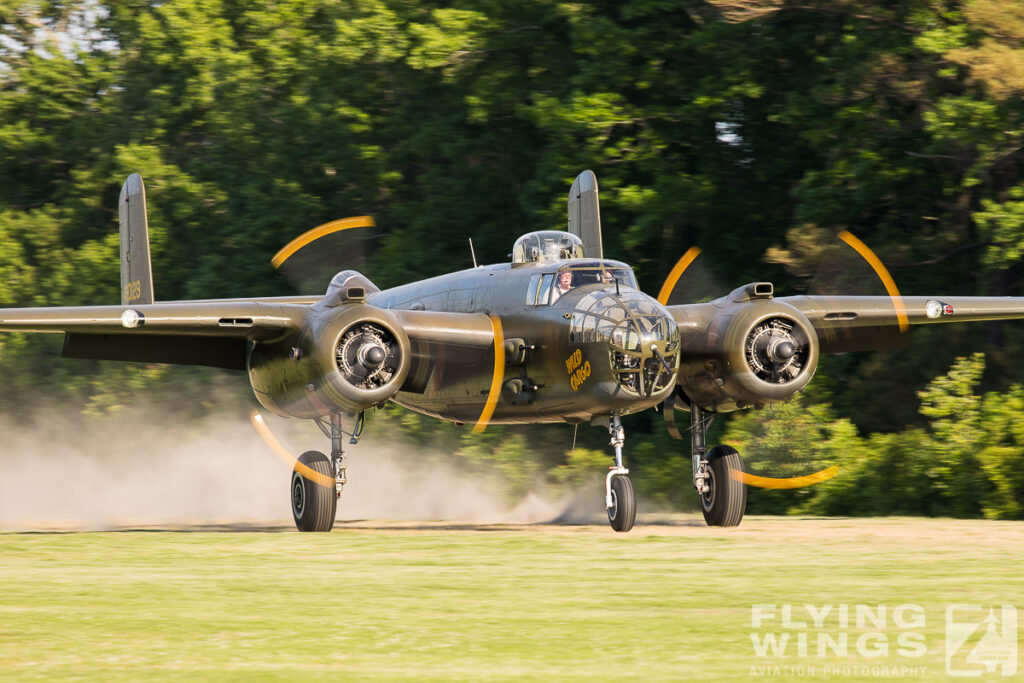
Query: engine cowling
x,y
754,351
350,357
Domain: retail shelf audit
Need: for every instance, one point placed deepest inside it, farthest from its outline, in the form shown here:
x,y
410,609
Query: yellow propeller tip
x,y
677,272
883,274
499,374
788,483
284,456
316,233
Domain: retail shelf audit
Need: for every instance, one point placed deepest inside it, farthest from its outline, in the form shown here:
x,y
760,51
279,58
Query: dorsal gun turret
x,y
545,246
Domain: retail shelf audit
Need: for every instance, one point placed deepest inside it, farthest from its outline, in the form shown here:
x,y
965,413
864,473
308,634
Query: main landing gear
x,y
317,481
723,497
619,498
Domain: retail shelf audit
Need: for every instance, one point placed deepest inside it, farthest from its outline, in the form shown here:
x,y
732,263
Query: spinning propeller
x,y
308,267
308,262
776,351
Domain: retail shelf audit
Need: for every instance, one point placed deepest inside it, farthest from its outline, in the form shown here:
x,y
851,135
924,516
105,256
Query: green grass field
x,y
393,601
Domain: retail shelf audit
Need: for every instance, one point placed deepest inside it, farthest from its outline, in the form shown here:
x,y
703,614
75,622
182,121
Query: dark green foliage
x,y
752,130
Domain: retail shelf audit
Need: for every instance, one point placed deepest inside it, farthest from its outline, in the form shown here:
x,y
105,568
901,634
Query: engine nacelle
x,y
754,351
352,356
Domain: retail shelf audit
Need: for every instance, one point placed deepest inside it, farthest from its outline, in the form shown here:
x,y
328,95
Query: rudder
x,y
585,214
136,269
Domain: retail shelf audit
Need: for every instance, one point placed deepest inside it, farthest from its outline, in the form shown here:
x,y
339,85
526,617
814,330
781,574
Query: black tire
x,y
725,502
622,513
313,504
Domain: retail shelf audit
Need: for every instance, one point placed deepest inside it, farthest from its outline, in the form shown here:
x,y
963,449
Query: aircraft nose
x,y
642,335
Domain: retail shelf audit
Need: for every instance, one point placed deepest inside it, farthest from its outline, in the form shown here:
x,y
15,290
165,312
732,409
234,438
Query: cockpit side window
x,y
545,288
531,293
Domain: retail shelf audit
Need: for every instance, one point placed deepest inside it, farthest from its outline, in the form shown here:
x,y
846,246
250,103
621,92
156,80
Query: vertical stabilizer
x,y
585,214
136,271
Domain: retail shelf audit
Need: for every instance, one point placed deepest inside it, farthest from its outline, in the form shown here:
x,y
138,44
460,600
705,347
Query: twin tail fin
x,y
136,269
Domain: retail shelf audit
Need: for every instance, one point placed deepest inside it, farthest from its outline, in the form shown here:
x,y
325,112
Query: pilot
x,y
607,277
563,285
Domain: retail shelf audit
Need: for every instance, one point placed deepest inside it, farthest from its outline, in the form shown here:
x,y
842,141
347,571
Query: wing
x,y
861,323
214,333
217,332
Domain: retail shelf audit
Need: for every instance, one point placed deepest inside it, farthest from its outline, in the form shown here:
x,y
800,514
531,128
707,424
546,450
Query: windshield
x,y
599,274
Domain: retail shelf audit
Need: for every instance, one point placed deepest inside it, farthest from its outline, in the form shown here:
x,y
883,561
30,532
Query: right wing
x,y
217,332
214,333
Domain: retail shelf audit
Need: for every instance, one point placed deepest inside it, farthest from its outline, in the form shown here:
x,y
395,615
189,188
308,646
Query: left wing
x,y
862,323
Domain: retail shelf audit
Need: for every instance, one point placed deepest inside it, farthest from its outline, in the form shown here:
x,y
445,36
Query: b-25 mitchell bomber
x,y
560,334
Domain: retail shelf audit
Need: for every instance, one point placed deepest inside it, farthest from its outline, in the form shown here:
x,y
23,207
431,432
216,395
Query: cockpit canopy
x,y
546,245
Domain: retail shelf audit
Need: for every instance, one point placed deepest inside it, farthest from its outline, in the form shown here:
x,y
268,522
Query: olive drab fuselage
x,y
548,375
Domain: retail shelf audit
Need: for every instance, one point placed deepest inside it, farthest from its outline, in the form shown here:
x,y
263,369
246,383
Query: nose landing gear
x,y
619,498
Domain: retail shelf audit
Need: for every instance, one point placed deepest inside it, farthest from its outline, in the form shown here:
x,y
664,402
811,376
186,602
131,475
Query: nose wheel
x,y
622,511
619,498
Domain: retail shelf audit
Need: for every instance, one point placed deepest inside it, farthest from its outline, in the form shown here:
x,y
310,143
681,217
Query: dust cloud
x,y
141,471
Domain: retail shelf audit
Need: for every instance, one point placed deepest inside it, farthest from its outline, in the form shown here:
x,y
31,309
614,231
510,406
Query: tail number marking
x,y
133,291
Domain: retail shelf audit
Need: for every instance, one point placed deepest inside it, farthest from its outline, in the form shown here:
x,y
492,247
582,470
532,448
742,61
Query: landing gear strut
x,y
723,496
337,453
619,497
314,496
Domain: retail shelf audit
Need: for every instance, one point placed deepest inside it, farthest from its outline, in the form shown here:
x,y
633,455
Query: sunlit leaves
x,y
1003,223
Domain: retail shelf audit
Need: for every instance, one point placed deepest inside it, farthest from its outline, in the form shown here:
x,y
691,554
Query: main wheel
x,y
313,503
726,499
622,513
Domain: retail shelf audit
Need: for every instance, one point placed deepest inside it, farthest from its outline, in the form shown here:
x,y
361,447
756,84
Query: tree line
x,y
755,129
